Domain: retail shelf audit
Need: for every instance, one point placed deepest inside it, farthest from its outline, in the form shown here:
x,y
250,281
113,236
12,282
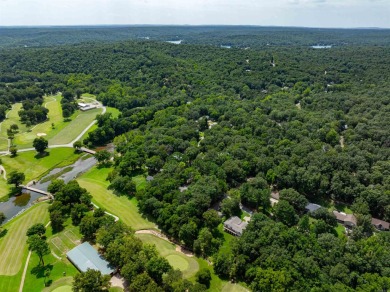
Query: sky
x,y
308,13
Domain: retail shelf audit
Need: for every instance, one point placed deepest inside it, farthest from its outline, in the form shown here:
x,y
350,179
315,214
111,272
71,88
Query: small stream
x,y
18,204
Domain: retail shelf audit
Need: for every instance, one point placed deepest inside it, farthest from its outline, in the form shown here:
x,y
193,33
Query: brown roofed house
x,y
380,224
348,220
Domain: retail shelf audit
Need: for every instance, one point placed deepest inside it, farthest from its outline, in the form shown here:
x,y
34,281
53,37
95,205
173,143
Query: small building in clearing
x,y
86,106
235,226
348,220
85,257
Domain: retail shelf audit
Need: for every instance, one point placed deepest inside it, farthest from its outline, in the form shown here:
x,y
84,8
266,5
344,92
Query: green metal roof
x,y
85,257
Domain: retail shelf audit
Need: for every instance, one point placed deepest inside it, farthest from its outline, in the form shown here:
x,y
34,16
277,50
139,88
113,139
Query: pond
x,y
18,204
322,47
175,42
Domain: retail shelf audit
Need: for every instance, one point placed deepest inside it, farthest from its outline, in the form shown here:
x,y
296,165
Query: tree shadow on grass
x,y
3,232
40,271
40,155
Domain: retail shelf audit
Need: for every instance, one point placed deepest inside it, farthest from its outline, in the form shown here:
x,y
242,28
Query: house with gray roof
x,y
85,257
235,226
310,208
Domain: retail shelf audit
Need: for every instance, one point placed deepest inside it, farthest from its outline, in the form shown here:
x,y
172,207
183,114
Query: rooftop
x,y
341,216
312,207
85,257
235,225
380,223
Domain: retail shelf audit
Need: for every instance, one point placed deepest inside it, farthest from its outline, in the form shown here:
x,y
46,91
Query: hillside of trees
x,y
217,126
235,36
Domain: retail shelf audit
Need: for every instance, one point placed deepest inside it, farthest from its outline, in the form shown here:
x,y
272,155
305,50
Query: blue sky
x,y
311,13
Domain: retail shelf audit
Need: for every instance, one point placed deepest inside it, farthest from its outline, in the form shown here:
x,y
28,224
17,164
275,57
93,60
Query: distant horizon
x,y
281,13
191,25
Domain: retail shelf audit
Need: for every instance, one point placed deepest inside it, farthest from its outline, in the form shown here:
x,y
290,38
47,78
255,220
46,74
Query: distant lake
x,y
175,42
322,46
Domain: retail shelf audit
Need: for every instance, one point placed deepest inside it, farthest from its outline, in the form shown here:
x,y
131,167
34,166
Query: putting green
x,y
65,288
178,262
188,265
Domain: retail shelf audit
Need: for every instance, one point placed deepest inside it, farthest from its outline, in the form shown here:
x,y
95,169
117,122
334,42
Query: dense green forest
x,y
225,126
236,36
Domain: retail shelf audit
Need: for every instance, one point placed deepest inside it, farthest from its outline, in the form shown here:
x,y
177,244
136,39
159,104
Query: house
x,y
348,220
86,106
380,224
85,257
235,226
310,208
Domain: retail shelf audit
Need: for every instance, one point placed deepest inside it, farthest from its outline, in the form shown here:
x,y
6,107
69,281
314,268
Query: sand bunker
x,y
41,134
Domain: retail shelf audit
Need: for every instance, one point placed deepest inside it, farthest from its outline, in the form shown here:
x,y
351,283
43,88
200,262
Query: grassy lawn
x,y
62,133
95,182
13,118
189,266
115,112
65,288
75,127
34,167
229,287
227,242
4,189
58,284
59,243
24,139
340,229
13,247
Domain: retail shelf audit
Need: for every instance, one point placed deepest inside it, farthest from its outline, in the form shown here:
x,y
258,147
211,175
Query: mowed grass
x,y
229,287
65,281
188,265
61,242
13,246
4,188
75,127
13,118
65,288
53,103
95,182
34,167
35,279
24,138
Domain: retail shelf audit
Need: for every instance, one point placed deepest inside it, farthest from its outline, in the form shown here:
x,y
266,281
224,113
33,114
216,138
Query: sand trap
x,y
41,134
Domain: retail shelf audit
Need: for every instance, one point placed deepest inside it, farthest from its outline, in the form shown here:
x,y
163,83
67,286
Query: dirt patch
x,y
162,236
118,281
184,251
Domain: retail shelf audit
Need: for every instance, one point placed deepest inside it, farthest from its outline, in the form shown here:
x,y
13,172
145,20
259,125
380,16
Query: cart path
x,y
26,266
